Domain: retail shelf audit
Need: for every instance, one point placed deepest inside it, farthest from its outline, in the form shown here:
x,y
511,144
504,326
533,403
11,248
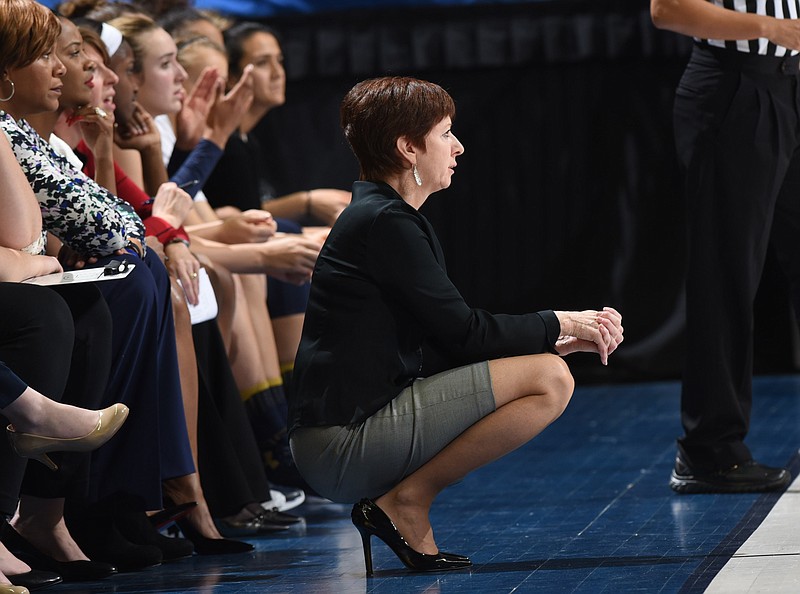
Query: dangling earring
x,y
13,90
416,174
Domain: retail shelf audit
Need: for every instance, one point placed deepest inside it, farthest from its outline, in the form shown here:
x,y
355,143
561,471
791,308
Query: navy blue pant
x,y
153,445
286,299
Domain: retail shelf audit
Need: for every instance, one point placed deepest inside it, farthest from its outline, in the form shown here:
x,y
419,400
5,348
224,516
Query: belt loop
x,y
790,65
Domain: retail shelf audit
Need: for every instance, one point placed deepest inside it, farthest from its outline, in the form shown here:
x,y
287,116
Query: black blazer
x,y
382,309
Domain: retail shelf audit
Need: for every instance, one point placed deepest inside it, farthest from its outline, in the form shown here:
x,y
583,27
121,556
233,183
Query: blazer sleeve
x,y
403,261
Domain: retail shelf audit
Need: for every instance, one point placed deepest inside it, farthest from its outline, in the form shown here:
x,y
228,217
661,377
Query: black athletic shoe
x,y
746,477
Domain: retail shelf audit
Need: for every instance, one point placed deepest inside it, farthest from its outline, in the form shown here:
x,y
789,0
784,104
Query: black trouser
x,y
231,469
58,342
736,132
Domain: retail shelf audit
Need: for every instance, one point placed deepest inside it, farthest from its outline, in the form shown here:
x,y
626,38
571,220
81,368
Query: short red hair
x,y
376,112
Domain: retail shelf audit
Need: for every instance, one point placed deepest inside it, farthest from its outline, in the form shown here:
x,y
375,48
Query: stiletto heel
x,y
36,447
365,542
370,520
44,459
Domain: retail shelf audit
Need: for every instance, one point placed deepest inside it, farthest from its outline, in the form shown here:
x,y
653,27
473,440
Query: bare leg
x,y
41,522
187,488
287,336
10,565
530,393
187,362
245,353
32,412
255,286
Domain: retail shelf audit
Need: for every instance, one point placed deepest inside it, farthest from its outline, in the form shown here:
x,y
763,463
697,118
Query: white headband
x,y
112,38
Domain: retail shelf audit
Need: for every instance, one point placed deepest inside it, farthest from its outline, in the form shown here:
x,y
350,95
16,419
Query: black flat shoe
x,y
71,571
35,579
212,546
104,542
370,521
746,477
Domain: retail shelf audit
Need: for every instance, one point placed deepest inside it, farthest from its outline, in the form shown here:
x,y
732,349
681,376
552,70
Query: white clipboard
x,y
87,275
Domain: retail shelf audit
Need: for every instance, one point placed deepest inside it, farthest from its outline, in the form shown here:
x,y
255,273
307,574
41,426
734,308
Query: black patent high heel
x,y
370,520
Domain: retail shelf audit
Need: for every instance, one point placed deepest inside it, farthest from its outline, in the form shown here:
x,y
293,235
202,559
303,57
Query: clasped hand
x,y
590,331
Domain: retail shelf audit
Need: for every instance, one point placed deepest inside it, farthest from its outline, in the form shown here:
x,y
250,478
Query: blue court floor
x,y
583,508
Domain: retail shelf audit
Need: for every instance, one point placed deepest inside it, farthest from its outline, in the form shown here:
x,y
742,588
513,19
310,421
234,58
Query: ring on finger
x,y
100,112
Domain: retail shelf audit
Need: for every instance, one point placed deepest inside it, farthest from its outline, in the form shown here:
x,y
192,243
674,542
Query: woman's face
x,y
104,80
198,58
37,86
269,79
79,77
437,162
161,79
127,86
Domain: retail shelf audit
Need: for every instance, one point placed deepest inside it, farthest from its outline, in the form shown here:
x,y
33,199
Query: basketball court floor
x,y
583,508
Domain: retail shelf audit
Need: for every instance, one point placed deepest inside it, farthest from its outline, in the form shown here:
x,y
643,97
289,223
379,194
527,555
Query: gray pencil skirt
x,y
346,463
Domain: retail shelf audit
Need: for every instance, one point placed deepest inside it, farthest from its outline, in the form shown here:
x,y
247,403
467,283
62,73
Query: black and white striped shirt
x,y
781,9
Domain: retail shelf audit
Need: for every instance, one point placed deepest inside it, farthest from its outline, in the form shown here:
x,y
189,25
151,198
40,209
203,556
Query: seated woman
x,y
234,481
159,78
69,327
153,447
400,389
241,178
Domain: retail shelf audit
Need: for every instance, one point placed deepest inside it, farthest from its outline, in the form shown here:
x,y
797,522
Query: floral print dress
x,y
81,213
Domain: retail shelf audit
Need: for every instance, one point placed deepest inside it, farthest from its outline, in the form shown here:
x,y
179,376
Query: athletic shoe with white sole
x,y
283,500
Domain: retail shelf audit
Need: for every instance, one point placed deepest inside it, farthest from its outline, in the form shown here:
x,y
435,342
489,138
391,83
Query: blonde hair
x,y
187,49
133,28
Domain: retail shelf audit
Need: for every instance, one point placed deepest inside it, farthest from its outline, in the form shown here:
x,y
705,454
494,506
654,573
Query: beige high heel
x,y
36,446
9,589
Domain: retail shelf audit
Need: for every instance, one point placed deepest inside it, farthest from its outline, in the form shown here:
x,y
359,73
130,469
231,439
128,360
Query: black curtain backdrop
x,y
568,194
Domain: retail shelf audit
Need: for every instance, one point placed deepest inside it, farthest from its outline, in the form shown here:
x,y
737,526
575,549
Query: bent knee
x,y
560,384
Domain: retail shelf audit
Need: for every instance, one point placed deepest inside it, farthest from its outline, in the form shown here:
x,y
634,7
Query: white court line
x,y
768,561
